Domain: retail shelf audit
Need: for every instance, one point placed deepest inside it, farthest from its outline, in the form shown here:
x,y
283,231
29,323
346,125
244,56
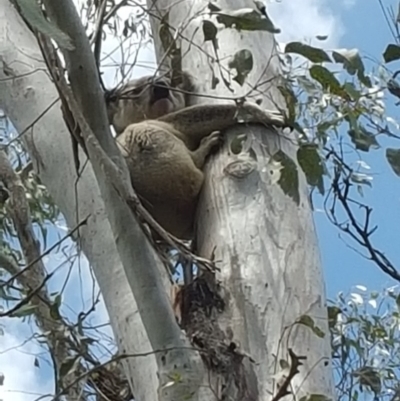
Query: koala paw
x,y
143,141
211,141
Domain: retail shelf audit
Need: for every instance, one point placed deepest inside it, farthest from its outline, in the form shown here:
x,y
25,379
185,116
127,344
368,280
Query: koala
x,y
165,142
146,98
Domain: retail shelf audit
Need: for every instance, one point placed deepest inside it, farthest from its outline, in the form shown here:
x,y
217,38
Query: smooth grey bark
x,y
266,244
142,265
140,261
26,92
143,270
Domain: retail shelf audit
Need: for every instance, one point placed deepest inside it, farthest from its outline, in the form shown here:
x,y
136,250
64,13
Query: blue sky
x,y
349,23
343,267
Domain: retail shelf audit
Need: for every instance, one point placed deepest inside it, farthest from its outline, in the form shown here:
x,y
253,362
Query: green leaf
x,y
260,6
213,7
350,88
284,364
393,157
55,308
315,397
245,19
306,83
359,178
291,101
68,365
289,177
350,59
243,63
364,79
322,130
312,165
32,12
24,310
328,81
307,320
393,87
391,53
352,63
369,377
129,28
398,301
210,33
363,139
43,230
333,313
313,54
209,30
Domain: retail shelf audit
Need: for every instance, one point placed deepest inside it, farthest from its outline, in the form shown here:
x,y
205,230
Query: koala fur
x,y
146,98
165,144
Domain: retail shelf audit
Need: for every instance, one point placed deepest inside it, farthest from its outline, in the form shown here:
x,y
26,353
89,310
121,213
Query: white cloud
x,y
303,20
300,20
22,380
349,3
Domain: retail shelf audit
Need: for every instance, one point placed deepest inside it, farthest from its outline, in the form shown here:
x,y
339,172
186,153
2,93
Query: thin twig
x,y
295,363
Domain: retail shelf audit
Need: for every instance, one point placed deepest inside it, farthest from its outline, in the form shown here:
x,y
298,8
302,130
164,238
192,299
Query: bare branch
x,y
360,232
34,279
140,263
295,363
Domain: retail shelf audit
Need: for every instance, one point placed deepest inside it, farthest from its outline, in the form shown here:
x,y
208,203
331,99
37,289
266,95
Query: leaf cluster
x,y
365,343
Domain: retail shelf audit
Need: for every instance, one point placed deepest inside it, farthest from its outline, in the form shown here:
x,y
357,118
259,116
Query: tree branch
x,y
295,363
359,232
140,262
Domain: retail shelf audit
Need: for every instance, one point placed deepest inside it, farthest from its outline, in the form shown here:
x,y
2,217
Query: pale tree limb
x,y
85,86
118,177
138,258
26,92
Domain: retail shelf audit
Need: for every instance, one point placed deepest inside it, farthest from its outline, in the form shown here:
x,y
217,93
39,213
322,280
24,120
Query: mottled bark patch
x,y
201,305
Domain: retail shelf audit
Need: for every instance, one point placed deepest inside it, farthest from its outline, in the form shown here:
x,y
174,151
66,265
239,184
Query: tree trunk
x,y
265,244
27,93
271,244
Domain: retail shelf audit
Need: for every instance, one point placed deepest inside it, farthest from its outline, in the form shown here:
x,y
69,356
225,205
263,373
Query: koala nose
x,y
160,90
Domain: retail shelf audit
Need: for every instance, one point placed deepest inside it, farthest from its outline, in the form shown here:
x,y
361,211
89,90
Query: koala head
x,y
142,99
